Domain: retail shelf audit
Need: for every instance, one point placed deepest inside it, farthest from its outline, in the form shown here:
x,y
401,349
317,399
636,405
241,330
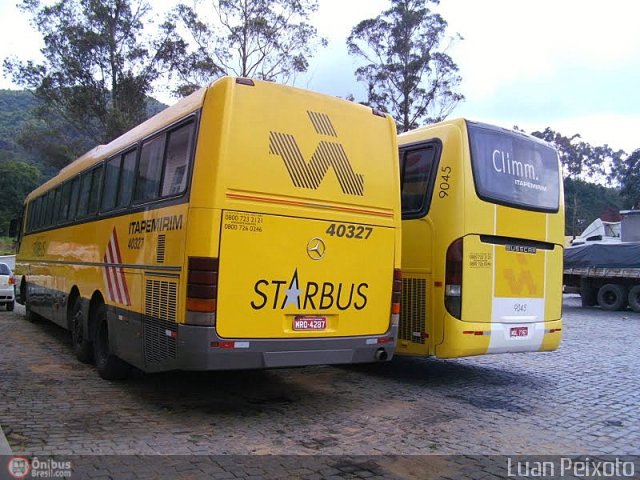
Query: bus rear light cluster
x,y
396,297
202,284
453,279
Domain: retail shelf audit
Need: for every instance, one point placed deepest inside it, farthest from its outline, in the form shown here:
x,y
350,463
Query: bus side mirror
x,y
13,228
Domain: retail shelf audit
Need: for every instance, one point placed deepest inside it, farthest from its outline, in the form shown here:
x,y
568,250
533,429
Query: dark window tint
x,y
73,202
177,158
4,269
417,166
514,169
110,190
127,179
64,206
149,170
49,216
56,205
85,193
96,185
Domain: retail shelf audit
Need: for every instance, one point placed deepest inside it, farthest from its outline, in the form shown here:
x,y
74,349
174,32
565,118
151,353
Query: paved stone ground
x,y
328,422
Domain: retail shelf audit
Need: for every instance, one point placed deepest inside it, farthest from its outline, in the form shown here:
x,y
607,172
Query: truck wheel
x,y
634,298
589,296
612,297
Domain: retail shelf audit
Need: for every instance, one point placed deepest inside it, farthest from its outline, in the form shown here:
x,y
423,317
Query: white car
x,y
7,287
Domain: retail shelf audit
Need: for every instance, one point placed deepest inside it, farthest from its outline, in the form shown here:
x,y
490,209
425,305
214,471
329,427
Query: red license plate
x,y
519,331
309,323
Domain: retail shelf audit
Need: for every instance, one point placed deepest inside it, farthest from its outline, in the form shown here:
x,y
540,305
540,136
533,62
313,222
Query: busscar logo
x,y
328,154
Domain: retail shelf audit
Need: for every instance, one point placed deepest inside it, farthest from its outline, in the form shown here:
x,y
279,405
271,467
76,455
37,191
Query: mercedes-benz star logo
x,y
316,248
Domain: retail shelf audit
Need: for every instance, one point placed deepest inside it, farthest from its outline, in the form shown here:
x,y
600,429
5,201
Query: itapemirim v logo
x,y
327,154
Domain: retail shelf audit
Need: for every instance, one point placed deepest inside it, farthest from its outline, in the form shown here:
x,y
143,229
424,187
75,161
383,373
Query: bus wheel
x,y
10,306
612,297
79,338
109,366
24,294
634,298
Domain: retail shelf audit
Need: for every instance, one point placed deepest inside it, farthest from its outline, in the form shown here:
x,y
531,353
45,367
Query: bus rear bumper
x,y
464,339
199,348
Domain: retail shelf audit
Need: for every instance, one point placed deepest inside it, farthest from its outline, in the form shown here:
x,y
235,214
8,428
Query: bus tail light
x,y
202,289
453,279
12,280
396,296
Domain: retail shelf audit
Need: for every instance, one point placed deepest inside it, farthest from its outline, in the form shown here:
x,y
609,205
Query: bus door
x,y
418,163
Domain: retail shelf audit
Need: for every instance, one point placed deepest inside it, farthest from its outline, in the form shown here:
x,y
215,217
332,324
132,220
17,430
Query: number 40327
x,y
359,232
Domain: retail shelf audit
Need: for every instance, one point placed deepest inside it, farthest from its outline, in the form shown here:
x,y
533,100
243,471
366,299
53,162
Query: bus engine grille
x,y
160,328
414,310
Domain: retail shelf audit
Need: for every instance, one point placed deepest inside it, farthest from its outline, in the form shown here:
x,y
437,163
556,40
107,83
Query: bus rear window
x,y
514,170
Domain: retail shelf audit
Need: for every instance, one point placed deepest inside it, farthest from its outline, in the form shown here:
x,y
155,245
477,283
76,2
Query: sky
x,y
572,65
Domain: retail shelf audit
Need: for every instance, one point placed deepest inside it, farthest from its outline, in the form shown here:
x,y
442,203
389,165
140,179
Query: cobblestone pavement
x,y
582,399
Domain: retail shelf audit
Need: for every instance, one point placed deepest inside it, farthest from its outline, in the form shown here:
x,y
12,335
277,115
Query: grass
x,y
6,246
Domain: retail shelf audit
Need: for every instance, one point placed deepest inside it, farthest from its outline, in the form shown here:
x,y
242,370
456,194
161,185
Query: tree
x,y
97,70
580,160
586,171
407,72
629,177
17,179
264,39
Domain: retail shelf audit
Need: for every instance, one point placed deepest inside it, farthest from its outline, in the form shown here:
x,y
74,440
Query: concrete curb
x,y
5,448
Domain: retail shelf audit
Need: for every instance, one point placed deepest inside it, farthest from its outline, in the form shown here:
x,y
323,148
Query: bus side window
x,y
110,190
73,203
149,170
417,165
64,207
96,184
177,160
56,206
48,220
127,179
85,192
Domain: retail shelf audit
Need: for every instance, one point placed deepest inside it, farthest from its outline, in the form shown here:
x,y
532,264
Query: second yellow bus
x,y
482,248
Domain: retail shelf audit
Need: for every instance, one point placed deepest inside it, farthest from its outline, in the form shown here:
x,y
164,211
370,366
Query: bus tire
x,y
634,298
612,297
109,366
28,313
82,347
10,306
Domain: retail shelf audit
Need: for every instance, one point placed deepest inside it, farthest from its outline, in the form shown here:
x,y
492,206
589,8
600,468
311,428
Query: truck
x,y
605,269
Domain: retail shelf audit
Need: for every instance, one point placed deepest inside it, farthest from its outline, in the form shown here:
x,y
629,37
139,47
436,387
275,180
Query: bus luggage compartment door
x,y
290,277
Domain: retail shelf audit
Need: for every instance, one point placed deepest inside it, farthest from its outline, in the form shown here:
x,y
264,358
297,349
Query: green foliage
x,y
98,67
580,160
629,177
17,179
584,202
265,39
407,72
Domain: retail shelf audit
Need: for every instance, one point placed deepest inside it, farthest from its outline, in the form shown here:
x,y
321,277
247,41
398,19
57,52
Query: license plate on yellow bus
x,y
309,323
519,331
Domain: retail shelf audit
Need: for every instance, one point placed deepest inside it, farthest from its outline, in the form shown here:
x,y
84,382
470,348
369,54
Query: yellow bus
x,y
482,243
251,225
